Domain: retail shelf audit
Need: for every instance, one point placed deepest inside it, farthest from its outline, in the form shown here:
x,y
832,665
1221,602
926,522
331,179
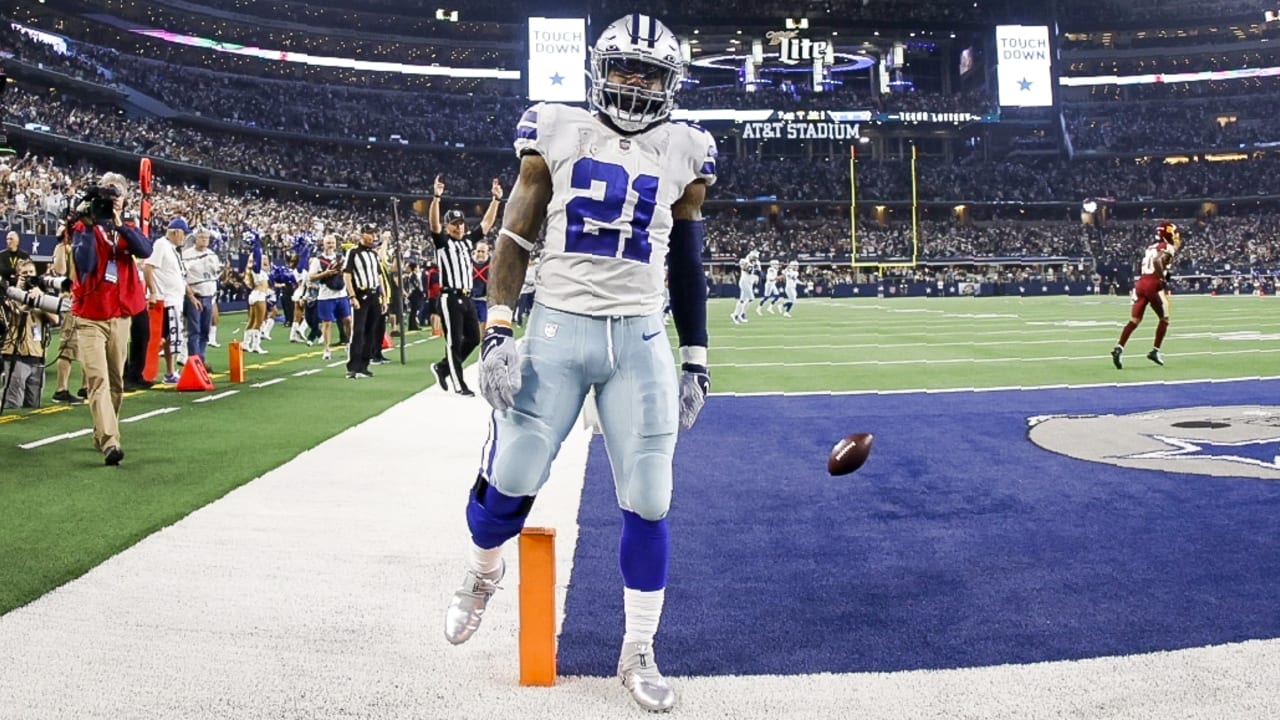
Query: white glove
x,y
499,367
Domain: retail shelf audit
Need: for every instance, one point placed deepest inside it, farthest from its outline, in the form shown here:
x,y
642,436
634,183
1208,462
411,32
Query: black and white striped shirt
x,y
362,263
454,259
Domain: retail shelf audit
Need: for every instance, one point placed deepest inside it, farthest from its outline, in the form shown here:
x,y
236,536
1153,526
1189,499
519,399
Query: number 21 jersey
x,y
609,219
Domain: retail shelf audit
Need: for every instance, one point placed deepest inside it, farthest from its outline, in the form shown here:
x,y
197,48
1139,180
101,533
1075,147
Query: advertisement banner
x,y
1024,70
557,59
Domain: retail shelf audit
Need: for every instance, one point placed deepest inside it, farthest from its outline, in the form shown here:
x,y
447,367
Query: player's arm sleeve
x,y
530,134
686,278
438,239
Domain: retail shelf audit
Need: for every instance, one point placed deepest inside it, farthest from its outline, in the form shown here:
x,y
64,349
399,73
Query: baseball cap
x,y
179,223
369,228
454,216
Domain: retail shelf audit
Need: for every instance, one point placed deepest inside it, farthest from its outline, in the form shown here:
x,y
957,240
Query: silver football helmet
x,y
640,46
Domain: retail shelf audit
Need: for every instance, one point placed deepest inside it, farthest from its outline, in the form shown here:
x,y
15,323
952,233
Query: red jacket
x,y
93,296
433,283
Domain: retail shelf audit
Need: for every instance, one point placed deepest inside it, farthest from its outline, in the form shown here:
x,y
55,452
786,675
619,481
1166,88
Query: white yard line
x,y
219,396
150,414
55,438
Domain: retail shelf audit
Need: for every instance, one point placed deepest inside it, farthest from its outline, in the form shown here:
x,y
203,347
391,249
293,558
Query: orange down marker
x,y
538,606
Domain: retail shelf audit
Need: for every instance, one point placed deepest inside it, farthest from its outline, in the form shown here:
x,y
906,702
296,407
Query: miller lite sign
x,y
793,50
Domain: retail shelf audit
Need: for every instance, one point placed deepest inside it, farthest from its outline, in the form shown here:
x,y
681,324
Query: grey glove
x,y
695,383
499,367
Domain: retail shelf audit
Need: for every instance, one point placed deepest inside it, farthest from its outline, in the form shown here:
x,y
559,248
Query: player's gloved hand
x,y
499,366
695,383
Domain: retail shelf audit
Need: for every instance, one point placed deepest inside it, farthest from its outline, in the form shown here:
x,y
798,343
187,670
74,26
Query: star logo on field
x,y
1264,452
1024,84
557,79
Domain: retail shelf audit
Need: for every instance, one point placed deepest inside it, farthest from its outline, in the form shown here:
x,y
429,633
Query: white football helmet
x,y
638,46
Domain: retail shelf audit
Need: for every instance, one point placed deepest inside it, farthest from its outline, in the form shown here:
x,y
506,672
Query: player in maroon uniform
x,y
1150,290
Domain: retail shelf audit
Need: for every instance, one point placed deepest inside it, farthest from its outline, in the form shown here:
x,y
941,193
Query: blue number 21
x,y
604,240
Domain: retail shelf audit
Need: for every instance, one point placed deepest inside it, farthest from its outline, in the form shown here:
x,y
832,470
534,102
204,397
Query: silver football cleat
x,y
466,610
639,674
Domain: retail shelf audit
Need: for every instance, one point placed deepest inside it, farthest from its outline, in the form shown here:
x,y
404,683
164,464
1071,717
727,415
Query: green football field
x,y
62,512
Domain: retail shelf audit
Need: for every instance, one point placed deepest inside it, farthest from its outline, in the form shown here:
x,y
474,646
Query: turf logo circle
x,y
1233,441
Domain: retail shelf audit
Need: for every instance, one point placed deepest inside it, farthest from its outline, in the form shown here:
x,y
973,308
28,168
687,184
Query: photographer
x,y
11,256
107,292
24,342
67,338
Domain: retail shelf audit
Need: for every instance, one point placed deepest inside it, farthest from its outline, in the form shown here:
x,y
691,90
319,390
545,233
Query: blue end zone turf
x,y
960,543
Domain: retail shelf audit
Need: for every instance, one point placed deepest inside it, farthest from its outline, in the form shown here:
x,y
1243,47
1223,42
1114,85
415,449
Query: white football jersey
x,y
747,269
793,277
771,275
609,220
1153,253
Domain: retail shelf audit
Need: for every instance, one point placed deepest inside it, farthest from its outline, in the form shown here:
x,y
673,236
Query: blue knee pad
x,y
495,518
644,552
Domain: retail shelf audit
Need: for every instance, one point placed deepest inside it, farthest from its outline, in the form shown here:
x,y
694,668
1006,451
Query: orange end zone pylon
x,y
235,362
538,607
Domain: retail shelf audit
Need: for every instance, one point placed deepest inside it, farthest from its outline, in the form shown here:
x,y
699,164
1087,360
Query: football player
x,y
770,290
747,269
621,190
1150,290
792,279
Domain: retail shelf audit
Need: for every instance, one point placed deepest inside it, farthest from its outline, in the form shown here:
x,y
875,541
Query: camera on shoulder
x,y
96,204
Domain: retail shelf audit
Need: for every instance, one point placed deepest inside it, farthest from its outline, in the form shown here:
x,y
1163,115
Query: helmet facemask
x,y
634,105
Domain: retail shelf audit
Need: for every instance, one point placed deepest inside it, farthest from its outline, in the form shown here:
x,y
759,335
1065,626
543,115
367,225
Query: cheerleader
x,y
259,282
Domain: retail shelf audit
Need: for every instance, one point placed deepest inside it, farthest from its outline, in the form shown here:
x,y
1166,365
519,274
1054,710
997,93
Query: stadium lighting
x,y
447,15
1090,206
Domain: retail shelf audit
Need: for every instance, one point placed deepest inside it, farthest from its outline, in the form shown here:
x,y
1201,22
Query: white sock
x,y
213,333
485,561
643,611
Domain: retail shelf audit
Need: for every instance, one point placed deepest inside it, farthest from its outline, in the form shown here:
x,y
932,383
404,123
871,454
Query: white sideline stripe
x,y
1056,341
265,383
312,371
55,438
1059,331
219,396
153,413
336,364
979,361
1062,386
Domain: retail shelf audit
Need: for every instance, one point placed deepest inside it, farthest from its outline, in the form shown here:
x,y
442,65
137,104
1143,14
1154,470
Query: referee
x,y
362,273
453,253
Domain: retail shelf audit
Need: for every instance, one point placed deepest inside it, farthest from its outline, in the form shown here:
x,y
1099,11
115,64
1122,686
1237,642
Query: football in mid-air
x,y
850,453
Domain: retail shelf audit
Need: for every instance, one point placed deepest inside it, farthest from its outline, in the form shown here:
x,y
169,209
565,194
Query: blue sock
x,y
644,552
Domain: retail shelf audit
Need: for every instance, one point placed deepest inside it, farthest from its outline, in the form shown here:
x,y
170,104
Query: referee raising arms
x,y
362,273
453,251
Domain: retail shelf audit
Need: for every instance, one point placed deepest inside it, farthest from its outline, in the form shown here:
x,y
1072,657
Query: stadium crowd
x,y
1168,125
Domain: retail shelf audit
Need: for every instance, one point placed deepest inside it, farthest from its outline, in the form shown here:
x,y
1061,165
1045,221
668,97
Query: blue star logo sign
x,y
557,79
1024,84
1264,452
